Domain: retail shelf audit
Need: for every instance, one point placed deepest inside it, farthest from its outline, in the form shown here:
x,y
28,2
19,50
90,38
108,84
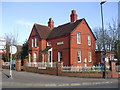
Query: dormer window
x,y
48,43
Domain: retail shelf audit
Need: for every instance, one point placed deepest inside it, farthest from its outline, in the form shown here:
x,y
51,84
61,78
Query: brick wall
x,y
83,47
53,71
18,65
58,71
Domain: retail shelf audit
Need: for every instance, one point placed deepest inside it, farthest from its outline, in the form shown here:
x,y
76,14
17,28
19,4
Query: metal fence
x,y
84,69
41,64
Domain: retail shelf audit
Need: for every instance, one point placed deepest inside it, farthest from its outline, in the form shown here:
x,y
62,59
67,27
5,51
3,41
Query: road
x,y
34,80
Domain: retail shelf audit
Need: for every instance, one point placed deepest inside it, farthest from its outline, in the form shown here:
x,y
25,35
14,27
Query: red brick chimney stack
x,y
73,16
51,23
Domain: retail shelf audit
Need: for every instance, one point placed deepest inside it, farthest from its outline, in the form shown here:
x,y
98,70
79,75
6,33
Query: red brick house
x,y
72,43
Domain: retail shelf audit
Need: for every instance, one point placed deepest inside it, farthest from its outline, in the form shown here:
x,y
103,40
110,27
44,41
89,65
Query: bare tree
x,y
11,39
112,38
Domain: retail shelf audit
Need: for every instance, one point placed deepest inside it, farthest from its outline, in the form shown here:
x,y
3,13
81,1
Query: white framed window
x,y
35,57
60,43
79,56
85,60
36,42
30,57
85,65
89,40
78,38
49,44
60,56
89,57
32,42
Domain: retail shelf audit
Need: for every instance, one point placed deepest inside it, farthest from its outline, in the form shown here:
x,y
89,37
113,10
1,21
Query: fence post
x,y
59,67
24,63
18,65
113,66
1,63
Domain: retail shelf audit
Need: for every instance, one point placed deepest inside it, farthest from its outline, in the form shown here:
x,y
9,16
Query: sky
x,y
19,17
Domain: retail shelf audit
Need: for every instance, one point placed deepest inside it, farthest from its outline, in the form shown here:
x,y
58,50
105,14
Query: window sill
x,y
90,61
79,61
89,45
79,43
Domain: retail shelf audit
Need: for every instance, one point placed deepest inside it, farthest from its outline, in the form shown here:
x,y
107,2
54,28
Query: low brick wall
x,y
53,71
44,71
87,75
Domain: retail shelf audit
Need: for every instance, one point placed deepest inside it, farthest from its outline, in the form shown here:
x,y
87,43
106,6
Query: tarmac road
x,y
34,80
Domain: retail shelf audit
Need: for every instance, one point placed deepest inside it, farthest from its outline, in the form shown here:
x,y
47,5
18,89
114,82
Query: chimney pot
x,y
51,23
73,16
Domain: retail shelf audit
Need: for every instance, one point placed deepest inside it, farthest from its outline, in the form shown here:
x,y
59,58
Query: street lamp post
x,y
104,51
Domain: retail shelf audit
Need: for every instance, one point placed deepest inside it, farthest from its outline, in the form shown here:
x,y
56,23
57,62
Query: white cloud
x,y
25,23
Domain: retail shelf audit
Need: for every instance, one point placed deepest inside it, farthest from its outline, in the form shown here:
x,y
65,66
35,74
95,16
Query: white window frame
x,y
85,60
50,50
89,40
85,65
36,42
79,55
59,56
60,43
35,57
89,57
30,59
78,38
49,43
32,42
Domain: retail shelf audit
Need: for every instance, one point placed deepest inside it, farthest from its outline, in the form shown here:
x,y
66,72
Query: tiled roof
x,y
63,30
42,30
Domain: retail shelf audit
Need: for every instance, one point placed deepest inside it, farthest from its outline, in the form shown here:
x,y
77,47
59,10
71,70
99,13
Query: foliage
x,y
24,53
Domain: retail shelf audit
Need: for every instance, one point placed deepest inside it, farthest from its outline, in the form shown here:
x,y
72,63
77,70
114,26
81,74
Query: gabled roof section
x,y
90,29
42,30
63,30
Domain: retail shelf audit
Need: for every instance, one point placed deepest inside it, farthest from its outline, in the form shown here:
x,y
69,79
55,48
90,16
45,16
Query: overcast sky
x,y
19,17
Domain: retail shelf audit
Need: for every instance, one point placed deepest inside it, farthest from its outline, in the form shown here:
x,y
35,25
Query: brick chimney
x,y
51,23
73,16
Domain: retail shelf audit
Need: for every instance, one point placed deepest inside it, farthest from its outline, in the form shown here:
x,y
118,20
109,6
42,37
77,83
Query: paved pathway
x,y
34,80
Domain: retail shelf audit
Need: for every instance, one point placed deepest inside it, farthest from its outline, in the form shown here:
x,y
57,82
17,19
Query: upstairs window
x,y
60,43
36,42
89,57
32,42
89,40
49,44
79,56
78,38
